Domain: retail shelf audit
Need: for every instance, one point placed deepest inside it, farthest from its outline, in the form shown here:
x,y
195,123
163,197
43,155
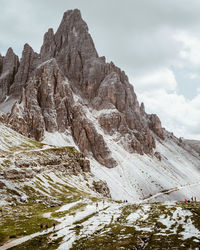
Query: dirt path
x,y
90,209
63,225
171,190
21,240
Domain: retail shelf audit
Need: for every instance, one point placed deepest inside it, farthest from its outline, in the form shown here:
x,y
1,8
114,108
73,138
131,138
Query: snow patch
x,y
59,139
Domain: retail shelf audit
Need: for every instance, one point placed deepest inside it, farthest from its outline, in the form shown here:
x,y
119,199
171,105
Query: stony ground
x,y
84,219
81,224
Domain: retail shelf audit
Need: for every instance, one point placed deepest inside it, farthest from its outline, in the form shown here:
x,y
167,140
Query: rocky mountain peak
x,y
67,83
73,19
48,48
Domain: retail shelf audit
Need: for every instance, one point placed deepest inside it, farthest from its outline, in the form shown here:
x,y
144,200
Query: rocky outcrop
x,y
194,144
1,63
8,69
28,63
48,48
67,160
155,125
158,156
75,48
143,142
111,122
68,65
102,188
47,104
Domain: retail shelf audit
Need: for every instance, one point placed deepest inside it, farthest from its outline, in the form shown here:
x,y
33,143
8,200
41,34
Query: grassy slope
x,y
149,233
146,231
97,229
44,195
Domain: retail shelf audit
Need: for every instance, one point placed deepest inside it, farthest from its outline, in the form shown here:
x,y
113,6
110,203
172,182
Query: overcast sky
x,y
156,42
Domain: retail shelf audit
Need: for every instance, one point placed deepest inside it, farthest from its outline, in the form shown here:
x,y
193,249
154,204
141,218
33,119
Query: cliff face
x,y
8,69
58,87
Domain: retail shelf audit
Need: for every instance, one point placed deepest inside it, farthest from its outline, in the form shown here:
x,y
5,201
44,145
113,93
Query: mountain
x,y
69,95
82,165
194,144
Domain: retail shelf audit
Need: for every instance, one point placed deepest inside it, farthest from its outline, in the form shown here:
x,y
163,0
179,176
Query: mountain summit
x,y
68,67
69,91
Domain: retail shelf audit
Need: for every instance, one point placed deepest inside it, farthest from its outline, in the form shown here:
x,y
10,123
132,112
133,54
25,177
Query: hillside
x,y
39,189
69,95
77,149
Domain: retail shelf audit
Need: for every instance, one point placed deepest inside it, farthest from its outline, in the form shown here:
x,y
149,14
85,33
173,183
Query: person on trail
x,y
46,227
41,227
192,199
103,203
185,201
97,205
54,226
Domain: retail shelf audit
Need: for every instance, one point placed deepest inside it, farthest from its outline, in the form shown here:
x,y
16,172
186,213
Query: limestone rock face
x,y
47,104
28,63
155,125
89,140
65,159
75,48
8,69
102,188
1,63
48,48
66,79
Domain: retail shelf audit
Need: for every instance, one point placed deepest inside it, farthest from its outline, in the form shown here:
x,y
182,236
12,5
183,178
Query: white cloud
x,y
161,79
193,76
177,114
190,51
142,43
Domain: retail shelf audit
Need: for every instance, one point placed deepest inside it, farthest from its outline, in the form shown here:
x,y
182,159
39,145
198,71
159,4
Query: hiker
x,y
97,205
103,203
41,227
46,227
192,199
185,201
54,226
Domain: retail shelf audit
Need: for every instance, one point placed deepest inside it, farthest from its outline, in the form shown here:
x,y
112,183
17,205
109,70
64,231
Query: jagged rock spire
x,y
28,63
68,66
48,48
8,68
72,46
1,63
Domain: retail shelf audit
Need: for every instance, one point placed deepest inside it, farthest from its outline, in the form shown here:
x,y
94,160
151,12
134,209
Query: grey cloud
x,y
137,35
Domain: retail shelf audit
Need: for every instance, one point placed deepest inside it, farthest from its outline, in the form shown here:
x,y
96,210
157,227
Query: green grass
x,y
119,235
78,207
43,242
23,220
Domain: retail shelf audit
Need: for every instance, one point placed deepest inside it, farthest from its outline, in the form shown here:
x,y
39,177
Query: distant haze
x,y
157,44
